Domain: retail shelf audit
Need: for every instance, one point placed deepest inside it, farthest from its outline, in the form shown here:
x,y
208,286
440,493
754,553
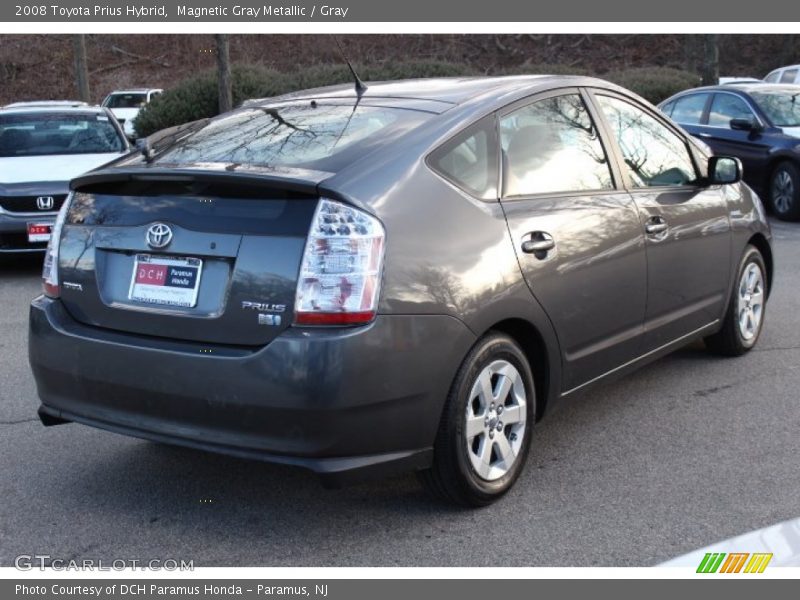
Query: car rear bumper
x,y
344,403
14,232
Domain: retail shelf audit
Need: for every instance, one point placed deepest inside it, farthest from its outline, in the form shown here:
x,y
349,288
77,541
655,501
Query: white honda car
x,y
126,104
42,148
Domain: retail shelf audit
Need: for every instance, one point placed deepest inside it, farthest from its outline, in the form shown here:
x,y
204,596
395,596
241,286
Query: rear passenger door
x,y
577,235
686,225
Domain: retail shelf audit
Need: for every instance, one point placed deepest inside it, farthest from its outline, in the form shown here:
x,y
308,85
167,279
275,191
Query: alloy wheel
x,y
750,308
782,191
496,420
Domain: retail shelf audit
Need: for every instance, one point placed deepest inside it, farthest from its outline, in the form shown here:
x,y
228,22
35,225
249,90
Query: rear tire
x,y
744,318
784,191
485,432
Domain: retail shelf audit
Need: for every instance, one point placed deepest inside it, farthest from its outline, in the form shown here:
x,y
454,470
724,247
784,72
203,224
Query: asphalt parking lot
x,y
691,450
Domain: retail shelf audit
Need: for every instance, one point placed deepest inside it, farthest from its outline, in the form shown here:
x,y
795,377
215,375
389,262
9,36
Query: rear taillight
x,y
50,270
340,273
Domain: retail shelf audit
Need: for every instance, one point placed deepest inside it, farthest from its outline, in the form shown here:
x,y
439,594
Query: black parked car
x,y
757,122
403,277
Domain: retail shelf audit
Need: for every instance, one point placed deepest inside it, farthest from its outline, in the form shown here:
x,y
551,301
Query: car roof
x,y
744,86
135,91
446,90
46,103
44,109
739,80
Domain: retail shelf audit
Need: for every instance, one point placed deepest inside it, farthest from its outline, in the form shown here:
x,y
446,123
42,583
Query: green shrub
x,y
654,83
196,97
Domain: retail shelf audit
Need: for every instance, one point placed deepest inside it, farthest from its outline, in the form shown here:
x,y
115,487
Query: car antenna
x,y
361,87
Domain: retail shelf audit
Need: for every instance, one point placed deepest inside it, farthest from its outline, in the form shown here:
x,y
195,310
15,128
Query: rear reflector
x,y
340,273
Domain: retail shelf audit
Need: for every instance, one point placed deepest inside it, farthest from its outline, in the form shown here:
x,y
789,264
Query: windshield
x,y
309,135
125,100
38,134
782,107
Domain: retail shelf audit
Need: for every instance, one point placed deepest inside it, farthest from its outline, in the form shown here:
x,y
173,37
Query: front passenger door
x,y
686,226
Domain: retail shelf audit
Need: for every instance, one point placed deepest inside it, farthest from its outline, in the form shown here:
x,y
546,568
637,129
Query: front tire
x,y
784,191
744,318
485,433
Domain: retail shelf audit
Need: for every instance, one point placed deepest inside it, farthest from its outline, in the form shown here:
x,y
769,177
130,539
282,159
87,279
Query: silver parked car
x,y
402,277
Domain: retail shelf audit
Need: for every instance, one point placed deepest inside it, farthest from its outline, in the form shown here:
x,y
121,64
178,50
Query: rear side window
x,y
772,77
789,76
469,160
726,107
552,146
688,110
655,156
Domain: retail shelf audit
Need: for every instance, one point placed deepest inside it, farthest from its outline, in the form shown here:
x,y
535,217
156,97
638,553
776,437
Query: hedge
x,y
196,97
654,83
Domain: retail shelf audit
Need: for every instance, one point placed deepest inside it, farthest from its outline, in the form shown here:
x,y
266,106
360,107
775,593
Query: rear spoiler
x,y
296,180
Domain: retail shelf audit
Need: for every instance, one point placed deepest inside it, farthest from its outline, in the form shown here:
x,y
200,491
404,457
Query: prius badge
x,y
158,235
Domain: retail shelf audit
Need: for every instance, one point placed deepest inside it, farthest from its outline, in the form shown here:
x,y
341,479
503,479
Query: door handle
x,y
703,135
656,225
540,243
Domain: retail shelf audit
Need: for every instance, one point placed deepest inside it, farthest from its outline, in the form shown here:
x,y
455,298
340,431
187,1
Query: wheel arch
x,y
760,242
772,164
535,349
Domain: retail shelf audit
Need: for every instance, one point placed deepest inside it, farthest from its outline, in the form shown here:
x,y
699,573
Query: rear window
x,y
125,100
39,134
309,135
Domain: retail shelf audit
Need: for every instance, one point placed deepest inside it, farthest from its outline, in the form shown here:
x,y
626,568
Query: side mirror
x,y
745,125
724,170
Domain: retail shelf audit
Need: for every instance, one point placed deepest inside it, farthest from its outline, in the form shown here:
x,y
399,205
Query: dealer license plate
x,y
169,281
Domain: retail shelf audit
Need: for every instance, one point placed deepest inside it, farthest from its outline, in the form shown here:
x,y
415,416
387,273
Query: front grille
x,y
23,204
18,241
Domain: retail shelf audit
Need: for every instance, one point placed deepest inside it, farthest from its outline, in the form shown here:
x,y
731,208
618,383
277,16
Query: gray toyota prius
x,y
362,280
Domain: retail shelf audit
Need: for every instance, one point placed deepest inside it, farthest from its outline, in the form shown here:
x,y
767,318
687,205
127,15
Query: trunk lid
x,y
228,273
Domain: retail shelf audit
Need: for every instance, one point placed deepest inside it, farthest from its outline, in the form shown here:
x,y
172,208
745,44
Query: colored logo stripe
x,y
734,562
711,562
758,562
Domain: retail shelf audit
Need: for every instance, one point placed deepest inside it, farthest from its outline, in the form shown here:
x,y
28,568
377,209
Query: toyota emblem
x,y
158,235
45,202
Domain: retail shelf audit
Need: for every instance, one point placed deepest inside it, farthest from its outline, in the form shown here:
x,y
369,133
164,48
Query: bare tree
x,y
81,67
224,73
710,59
